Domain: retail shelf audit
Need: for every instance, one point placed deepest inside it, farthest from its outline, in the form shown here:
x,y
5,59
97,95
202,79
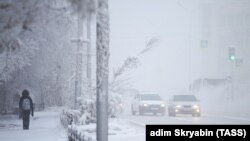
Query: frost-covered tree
x,y
17,55
16,47
16,17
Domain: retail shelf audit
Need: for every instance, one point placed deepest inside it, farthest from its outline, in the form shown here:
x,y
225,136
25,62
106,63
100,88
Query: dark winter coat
x,y
31,103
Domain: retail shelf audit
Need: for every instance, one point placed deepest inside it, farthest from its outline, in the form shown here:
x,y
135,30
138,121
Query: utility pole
x,y
102,72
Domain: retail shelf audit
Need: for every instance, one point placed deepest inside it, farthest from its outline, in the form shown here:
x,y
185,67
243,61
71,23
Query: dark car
x,y
184,104
148,103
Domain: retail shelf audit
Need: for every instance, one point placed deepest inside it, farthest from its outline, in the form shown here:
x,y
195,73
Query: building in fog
x,y
224,25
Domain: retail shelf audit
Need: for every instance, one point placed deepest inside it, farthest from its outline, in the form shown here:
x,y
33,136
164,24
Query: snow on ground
x,y
119,129
44,126
123,130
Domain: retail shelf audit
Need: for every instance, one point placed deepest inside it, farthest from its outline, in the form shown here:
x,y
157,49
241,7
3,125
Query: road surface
x,y
186,119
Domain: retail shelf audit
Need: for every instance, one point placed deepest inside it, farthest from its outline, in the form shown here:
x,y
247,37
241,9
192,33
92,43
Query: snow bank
x,y
118,129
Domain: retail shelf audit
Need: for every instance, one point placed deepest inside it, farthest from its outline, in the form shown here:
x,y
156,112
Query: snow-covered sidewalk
x,y
44,126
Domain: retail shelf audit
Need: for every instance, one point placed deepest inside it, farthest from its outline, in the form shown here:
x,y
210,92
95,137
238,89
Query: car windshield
x,y
150,97
184,98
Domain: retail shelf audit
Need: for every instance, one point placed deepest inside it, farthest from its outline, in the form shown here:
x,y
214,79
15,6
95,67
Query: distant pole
x,y
232,58
89,68
102,72
79,56
232,83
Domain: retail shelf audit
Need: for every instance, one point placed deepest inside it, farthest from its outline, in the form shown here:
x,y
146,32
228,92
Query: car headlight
x,y
178,106
145,105
195,106
162,105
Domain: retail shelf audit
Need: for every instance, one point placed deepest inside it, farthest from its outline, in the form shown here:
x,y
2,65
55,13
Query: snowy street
x,y
187,119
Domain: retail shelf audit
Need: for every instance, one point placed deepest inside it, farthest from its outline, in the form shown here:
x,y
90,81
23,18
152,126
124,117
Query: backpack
x,y
26,104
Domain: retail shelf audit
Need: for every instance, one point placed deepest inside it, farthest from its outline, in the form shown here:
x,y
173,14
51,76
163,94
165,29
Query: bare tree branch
x,y
129,64
149,45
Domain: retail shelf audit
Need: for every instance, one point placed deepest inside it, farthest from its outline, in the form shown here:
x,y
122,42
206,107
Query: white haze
x,y
178,59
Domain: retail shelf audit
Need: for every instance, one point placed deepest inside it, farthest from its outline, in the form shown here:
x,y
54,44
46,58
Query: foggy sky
x,y
180,26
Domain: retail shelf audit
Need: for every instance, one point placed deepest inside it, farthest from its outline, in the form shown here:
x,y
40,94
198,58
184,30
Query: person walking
x,y
26,107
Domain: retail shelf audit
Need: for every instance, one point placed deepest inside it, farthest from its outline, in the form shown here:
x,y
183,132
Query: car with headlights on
x,y
184,104
148,103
